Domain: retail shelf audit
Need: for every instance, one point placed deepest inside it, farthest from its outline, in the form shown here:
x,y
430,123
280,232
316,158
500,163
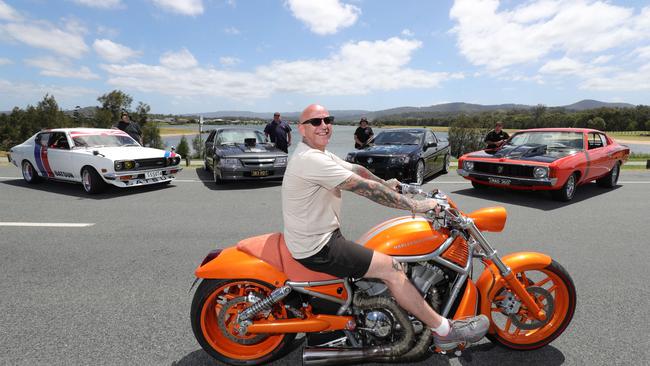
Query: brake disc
x,y
548,307
225,310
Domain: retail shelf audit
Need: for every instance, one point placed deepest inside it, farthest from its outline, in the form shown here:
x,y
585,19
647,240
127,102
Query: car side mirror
x,y
432,144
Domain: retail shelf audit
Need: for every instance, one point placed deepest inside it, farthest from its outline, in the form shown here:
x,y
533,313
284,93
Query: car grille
x,y
506,170
150,163
257,162
373,160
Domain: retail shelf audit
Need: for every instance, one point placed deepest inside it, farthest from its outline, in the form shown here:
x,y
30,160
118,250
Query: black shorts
x,y
340,257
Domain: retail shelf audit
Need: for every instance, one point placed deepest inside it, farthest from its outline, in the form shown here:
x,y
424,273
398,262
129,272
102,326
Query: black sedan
x,y
409,154
242,154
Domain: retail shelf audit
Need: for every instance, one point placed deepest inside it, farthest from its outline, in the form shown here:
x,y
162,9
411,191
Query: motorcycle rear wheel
x,y
556,281
235,349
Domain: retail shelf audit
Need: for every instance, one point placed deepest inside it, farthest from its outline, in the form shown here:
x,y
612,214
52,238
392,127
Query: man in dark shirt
x,y
362,134
279,133
496,137
130,127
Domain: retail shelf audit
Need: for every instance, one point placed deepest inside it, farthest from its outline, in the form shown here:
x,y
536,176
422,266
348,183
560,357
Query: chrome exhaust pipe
x,y
316,356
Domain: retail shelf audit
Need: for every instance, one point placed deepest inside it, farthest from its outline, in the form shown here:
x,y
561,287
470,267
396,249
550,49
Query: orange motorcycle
x,y
254,298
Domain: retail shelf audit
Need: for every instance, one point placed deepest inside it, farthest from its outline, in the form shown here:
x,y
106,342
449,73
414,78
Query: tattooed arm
x,y
384,195
365,173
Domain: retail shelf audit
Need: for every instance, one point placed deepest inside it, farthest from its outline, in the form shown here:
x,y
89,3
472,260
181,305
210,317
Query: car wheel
x,y
610,180
478,185
91,181
29,173
215,176
567,191
419,173
445,167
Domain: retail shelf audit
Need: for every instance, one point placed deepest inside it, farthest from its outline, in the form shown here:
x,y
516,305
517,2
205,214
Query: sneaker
x,y
462,331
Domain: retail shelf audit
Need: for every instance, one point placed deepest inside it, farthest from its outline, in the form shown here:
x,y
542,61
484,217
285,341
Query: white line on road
x,y
46,224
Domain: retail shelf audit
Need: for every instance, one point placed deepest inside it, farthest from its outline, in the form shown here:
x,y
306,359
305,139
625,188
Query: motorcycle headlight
x,y
232,162
280,161
468,165
540,172
350,158
399,160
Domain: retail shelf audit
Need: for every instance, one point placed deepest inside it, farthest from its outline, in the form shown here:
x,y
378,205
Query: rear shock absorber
x,y
264,304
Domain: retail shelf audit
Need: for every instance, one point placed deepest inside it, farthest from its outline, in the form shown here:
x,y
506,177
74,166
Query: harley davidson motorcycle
x,y
254,298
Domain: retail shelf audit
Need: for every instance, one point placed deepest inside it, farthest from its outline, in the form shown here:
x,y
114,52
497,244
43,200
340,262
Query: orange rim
x,y
215,337
511,332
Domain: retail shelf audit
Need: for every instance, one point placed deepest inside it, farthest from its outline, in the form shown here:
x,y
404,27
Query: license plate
x,y
259,173
149,175
499,181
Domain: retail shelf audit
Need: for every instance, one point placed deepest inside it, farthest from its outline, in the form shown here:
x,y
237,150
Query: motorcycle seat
x,y
272,249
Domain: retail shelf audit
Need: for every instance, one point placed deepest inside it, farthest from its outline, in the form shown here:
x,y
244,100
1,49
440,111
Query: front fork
x,y
506,273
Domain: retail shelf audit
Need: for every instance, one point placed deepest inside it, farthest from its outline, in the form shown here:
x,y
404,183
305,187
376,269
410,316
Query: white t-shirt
x,y
311,203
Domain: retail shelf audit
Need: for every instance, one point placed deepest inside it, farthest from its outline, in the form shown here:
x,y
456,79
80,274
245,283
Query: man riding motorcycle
x,y
311,205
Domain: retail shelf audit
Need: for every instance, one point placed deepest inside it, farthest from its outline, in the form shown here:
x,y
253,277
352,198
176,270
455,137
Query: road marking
x,y
46,224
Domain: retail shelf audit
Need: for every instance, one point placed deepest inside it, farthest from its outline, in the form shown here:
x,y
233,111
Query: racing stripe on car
x,y
37,159
46,162
169,154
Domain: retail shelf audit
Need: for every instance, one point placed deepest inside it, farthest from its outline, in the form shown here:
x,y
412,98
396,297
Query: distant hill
x,y
445,108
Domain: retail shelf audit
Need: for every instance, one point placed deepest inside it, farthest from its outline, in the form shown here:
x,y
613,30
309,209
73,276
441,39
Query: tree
x,y
596,123
183,147
466,135
151,136
197,144
115,102
141,113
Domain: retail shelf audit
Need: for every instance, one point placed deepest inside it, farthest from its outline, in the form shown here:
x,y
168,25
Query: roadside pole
x,y
200,141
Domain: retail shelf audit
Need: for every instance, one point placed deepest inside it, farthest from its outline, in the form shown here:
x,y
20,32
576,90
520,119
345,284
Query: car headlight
x,y
399,160
232,162
350,157
173,161
468,165
118,165
280,161
129,164
540,172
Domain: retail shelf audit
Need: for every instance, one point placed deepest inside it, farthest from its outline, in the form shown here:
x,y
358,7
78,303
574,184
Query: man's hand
x,y
425,205
392,184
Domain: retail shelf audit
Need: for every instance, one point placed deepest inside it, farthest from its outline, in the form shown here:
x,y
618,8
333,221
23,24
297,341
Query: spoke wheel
x,y
553,290
91,181
215,308
419,173
611,179
568,189
447,163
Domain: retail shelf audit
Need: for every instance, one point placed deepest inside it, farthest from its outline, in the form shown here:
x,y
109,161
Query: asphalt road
x,y
116,292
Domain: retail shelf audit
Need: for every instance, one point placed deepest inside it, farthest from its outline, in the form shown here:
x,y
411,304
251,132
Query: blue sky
x,y
187,56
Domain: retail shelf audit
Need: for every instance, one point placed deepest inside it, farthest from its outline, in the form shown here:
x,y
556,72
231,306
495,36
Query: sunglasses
x,y
317,121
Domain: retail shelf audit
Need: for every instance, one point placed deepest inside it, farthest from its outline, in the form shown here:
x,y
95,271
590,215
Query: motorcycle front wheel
x,y
215,307
553,290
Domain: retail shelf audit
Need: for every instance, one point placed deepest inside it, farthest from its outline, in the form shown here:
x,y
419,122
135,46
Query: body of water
x,y
341,143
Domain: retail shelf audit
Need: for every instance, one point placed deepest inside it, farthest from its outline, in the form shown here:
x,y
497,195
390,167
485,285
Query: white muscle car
x,y
95,157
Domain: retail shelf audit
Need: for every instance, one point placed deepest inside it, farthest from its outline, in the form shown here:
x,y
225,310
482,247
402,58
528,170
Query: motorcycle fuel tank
x,y
405,235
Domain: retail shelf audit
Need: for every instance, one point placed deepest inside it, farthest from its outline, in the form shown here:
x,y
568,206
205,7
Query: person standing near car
x,y
279,132
496,137
363,134
311,210
132,128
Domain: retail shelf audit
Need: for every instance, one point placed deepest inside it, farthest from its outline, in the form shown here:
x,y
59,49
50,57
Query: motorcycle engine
x,y
425,275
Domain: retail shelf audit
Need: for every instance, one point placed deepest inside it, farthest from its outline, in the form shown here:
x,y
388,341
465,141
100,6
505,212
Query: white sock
x,y
443,328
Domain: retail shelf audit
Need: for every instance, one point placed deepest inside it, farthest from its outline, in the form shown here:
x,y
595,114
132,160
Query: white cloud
x,y
107,32
46,36
643,52
8,13
113,52
494,38
408,33
229,61
5,61
57,67
232,30
357,68
22,93
183,7
178,60
101,4
324,16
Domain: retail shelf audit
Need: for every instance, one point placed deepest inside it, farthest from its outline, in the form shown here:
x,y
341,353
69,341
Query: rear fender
x,y
235,264
491,280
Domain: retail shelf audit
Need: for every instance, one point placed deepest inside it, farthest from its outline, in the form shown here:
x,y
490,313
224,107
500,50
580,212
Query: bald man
x,y
311,208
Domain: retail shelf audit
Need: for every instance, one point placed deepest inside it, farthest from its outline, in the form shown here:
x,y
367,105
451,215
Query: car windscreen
x,y
239,136
102,139
552,139
399,138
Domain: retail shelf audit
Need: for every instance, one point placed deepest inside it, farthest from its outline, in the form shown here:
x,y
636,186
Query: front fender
x,y
232,263
491,280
